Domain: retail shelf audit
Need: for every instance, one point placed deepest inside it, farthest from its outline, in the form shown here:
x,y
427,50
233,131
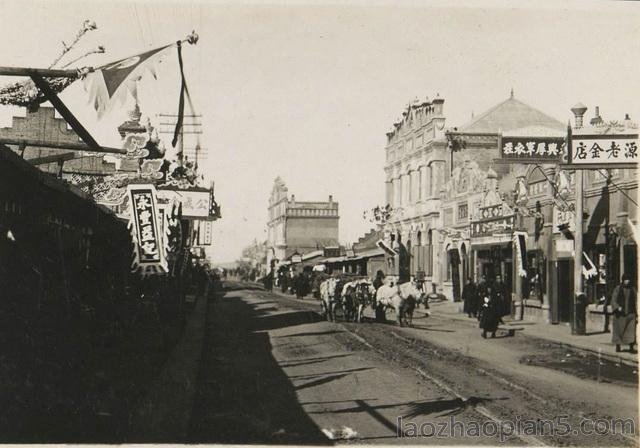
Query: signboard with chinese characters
x,y
601,151
146,230
196,204
537,149
487,227
563,216
204,233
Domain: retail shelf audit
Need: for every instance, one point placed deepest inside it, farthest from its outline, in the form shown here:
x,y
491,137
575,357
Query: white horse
x,y
329,297
402,298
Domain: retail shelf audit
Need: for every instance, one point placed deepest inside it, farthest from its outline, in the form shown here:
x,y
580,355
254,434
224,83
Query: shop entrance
x,y
565,289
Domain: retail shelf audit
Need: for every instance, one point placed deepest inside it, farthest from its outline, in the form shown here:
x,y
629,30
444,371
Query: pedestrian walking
x,y
625,314
489,312
470,297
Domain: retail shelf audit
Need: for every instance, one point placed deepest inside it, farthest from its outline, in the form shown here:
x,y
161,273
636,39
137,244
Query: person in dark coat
x,y
489,313
625,314
470,297
503,299
377,283
300,285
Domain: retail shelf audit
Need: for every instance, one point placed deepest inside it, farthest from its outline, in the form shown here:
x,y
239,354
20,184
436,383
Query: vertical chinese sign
x,y
204,233
146,228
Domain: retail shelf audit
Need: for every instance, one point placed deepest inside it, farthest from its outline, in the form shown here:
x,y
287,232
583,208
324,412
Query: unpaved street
x,y
273,371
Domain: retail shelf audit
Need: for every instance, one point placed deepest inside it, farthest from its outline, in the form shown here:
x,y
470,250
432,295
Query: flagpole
x,y
75,73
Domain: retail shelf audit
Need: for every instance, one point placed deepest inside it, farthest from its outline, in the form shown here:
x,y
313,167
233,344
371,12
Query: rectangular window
x,y
463,211
420,184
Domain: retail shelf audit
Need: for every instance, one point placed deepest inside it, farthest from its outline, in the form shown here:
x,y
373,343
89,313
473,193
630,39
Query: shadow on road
x,y
445,407
243,395
315,360
309,333
285,319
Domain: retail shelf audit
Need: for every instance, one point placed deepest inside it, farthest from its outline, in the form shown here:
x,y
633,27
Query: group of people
x,y
487,301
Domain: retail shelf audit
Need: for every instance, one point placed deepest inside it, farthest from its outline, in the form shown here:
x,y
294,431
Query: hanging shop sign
x,y
196,203
492,226
602,151
520,245
146,230
532,149
204,233
494,219
563,217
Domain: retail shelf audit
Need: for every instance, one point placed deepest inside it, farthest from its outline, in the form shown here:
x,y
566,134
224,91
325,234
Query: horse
x,y
365,294
330,296
403,299
348,300
326,297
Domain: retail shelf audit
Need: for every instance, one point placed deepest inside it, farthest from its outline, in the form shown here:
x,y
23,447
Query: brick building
x,y
300,227
42,124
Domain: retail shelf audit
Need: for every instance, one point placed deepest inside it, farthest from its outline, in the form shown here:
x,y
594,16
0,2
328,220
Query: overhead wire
x,y
607,176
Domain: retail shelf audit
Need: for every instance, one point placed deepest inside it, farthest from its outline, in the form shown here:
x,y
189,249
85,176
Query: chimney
x,y
578,112
597,119
437,105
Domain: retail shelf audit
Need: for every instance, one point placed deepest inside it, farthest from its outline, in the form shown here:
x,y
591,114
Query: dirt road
x,y
272,372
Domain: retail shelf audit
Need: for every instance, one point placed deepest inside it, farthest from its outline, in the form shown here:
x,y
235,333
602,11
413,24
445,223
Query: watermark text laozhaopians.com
x,y
558,427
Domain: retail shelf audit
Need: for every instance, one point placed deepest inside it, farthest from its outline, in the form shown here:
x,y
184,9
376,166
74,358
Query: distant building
x,y
300,227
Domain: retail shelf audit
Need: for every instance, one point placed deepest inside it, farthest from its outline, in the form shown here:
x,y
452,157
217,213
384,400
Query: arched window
x,y
419,239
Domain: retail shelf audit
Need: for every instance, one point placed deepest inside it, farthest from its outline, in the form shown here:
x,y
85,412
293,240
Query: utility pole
x,y
190,126
578,111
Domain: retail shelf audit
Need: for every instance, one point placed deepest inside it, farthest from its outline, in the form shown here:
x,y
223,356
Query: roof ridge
x,y
487,112
536,114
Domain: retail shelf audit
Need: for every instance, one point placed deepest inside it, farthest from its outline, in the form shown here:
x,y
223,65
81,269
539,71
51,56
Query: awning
x,y
387,249
375,252
588,268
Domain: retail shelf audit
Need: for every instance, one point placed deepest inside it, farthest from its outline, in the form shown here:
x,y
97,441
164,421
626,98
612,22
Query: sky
x,y
306,91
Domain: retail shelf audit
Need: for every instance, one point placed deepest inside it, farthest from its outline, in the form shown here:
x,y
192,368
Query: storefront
x,y
491,244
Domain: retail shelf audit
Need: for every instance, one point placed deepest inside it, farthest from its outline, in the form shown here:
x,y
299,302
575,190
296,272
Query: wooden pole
x,y
62,108
59,145
46,72
577,258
